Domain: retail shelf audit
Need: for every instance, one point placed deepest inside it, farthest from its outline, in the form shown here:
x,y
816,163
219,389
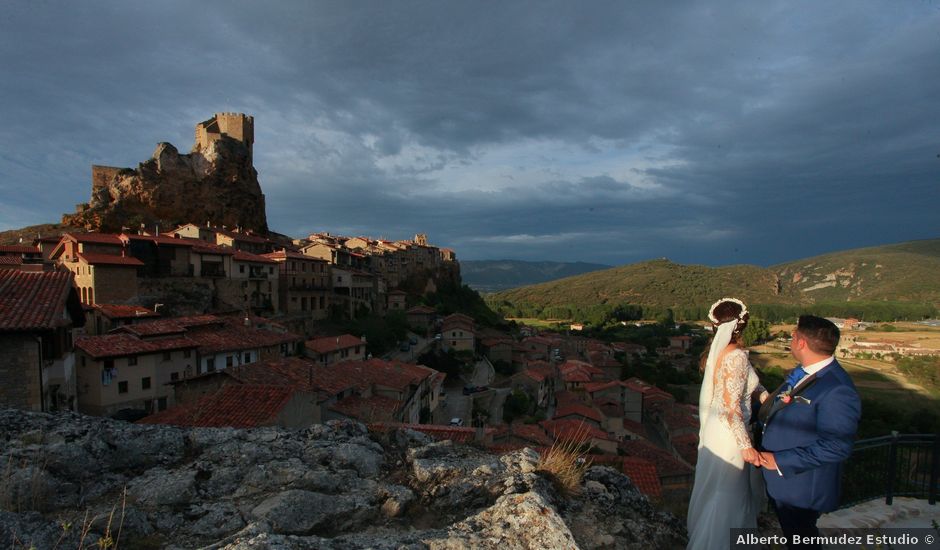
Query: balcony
x,y
890,466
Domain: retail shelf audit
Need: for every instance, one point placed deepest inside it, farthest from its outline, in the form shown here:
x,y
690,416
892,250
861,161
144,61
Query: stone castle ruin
x,y
216,181
237,126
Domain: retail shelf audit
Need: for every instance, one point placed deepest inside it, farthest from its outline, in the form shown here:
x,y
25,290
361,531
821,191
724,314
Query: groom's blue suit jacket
x,y
810,437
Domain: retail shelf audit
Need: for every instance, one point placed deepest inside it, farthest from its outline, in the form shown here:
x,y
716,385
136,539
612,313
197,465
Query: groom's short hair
x,y
821,335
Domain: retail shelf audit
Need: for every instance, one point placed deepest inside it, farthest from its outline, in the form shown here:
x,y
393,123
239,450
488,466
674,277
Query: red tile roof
x,y
245,237
11,260
211,334
285,254
234,405
242,256
18,249
120,311
161,239
599,386
634,427
666,463
420,310
578,409
123,344
33,300
439,433
329,344
375,408
573,430
533,433
204,247
110,259
643,474
98,238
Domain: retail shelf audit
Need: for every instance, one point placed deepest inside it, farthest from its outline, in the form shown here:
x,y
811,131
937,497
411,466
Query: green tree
x,y
517,404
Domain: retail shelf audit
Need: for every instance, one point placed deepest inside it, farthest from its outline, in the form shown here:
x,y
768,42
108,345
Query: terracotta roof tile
x,y
578,409
98,238
242,256
573,430
11,260
330,344
439,433
161,239
110,259
375,408
420,310
666,463
643,474
123,344
234,405
18,249
33,300
120,311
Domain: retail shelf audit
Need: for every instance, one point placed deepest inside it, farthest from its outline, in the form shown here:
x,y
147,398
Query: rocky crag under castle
x,y
215,182
69,479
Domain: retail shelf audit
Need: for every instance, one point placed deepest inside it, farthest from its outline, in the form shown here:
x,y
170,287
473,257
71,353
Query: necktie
x,y
794,377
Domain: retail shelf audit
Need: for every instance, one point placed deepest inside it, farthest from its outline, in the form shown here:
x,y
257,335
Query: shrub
x,y
566,462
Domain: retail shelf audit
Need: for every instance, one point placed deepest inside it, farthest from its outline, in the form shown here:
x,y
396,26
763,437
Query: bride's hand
x,y
751,456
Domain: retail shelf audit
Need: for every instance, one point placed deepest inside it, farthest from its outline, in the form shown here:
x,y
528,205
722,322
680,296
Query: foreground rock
x,y
70,480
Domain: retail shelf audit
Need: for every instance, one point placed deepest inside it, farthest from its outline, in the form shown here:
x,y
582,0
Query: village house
x,y
244,406
103,318
161,255
257,278
458,333
354,291
21,257
497,349
577,374
38,311
385,391
304,283
211,261
334,349
397,300
237,239
421,317
131,367
103,273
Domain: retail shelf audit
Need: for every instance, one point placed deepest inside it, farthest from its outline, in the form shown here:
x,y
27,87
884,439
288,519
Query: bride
x,y
728,489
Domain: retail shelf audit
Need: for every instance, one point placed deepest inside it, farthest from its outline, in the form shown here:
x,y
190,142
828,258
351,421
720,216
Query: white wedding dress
x,y
727,492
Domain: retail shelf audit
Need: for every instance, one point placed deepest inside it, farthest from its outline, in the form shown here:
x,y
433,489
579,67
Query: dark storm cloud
x,y
600,132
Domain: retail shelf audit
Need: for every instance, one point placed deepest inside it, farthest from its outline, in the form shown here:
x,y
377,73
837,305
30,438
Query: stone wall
x,y
20,386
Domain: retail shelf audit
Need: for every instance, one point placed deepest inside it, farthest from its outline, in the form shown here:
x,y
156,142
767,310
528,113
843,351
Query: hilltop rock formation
x,y
70,477
216,182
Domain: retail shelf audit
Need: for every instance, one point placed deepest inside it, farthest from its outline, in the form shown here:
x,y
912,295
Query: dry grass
x,y
566,462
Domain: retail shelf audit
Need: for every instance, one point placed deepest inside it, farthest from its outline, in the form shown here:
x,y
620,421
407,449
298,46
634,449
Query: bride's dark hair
x,y
724,312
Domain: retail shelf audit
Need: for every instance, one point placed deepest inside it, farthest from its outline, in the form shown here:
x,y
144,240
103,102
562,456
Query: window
x,y
161,404
145,383
453,343
303,267
210,364
270,271
109,363
247,357
241,269
167,355
122,387
229,361
83,360
174,376
187,353
131,361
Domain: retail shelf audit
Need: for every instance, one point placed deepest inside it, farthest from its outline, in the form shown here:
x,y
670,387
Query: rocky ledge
x,y
71,481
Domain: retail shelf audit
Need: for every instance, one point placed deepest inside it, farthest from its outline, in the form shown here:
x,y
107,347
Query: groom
x,y
809,427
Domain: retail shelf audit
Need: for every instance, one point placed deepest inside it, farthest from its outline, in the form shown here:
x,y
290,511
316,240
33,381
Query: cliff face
x,y
216,182
327,486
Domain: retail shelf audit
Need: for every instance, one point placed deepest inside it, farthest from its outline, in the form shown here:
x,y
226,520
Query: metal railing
x,y
892,465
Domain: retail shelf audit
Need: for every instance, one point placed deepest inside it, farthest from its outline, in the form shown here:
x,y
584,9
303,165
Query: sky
x,y
613,132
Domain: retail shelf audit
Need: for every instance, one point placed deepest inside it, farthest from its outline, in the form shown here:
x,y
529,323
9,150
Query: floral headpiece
x,y
711,311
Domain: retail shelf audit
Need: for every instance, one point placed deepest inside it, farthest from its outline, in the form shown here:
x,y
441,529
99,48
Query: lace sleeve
x,y
732,387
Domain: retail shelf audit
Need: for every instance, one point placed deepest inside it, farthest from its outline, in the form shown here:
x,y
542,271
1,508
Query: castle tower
x,y
421,239
237,126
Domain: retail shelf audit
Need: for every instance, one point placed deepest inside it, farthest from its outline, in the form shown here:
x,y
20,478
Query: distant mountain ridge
x,y
899,272
495,275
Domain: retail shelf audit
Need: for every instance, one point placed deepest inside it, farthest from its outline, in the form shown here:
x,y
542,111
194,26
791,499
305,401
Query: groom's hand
x,y
767,461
